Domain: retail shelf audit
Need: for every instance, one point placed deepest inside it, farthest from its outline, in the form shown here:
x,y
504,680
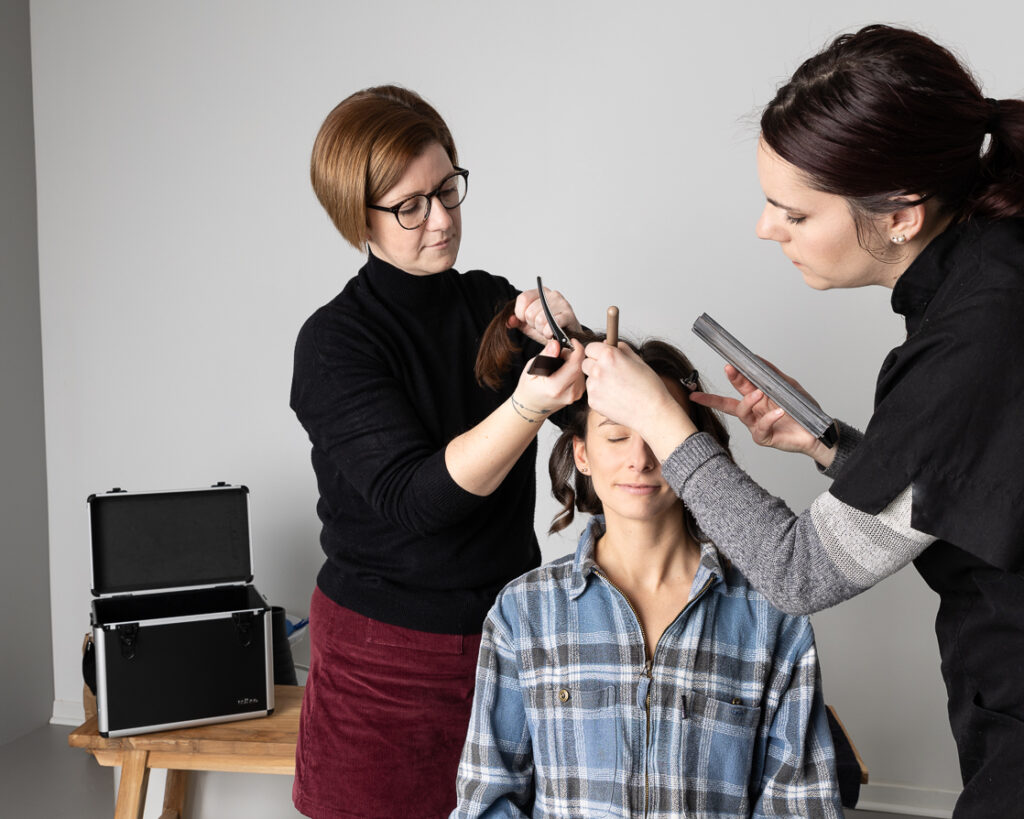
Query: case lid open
x,y
153,541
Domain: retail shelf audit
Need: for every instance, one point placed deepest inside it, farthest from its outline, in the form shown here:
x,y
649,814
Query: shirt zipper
x,y
645,672
648,669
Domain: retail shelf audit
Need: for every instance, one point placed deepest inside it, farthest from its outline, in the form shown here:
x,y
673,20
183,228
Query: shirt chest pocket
x,y
718,749
577,746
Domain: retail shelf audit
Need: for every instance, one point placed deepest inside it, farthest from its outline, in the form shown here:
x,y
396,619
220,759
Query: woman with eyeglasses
x,y
883,163
426,477
642,676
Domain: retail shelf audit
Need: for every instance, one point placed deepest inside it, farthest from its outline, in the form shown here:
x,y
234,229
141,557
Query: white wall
x,y
612,151
26,680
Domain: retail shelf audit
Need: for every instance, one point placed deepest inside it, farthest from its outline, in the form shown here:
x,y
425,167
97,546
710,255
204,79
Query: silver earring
x,y
899,239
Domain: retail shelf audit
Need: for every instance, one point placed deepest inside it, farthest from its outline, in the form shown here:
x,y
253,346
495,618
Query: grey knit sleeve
x,y
801,563
849,438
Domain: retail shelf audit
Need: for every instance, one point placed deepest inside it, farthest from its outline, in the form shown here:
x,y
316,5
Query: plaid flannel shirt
x,y
571,720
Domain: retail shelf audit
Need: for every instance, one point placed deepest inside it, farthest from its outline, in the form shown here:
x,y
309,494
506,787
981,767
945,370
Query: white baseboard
x,y
67,712
906,800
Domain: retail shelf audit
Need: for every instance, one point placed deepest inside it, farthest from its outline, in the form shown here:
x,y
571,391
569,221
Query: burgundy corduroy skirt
x,y
384,717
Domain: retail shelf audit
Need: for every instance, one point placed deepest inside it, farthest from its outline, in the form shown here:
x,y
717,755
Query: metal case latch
x,y
245,622
128,636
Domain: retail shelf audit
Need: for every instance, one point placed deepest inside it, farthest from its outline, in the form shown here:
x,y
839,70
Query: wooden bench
x,y
850,768
264,745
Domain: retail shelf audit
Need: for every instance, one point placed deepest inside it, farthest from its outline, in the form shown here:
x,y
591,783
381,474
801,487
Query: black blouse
x,y
383,380
949,403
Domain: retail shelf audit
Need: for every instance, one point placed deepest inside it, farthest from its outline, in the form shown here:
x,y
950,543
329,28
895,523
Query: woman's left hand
x,y
539,396
529,315
769,425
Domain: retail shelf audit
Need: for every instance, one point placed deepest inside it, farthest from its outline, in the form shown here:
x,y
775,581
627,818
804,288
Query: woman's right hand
x,y
537,396
623,388
769,425
530,319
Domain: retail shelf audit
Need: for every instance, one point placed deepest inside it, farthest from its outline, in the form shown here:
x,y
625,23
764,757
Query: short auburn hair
x,y
364,147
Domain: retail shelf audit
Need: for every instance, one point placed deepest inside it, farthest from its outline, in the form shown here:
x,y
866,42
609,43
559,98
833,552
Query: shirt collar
x,y
584,564
398,287
920,282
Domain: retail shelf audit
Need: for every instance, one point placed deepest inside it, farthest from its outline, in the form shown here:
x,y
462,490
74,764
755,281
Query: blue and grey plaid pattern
x,y
560,724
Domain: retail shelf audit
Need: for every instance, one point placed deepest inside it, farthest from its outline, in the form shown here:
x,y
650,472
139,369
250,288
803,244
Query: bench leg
x,y
131,795
174,795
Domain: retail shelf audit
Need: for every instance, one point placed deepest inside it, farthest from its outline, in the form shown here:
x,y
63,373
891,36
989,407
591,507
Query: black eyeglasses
x,y
414,211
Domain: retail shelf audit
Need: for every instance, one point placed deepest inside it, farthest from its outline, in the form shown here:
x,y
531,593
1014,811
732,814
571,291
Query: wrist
x,y
665,426
528,413
823,455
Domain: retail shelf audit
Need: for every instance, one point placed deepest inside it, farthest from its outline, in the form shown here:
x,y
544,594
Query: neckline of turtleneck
x,y
402,287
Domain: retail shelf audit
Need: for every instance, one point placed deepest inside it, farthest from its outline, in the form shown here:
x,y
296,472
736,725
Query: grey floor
x,y
41,777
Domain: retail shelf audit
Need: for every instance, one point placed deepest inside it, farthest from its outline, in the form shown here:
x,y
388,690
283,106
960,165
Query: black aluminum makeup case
x,y
181,636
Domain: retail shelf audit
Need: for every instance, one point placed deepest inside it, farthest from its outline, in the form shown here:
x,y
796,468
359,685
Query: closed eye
x,y
793,220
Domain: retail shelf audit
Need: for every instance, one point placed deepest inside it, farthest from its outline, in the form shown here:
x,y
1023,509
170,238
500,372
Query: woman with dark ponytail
x,y
884,163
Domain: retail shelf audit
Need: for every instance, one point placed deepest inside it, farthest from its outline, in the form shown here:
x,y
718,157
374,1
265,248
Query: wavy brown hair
x,y
497,350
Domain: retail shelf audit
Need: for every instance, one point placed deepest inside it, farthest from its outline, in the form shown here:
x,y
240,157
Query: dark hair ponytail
x,y
886,112
1000,192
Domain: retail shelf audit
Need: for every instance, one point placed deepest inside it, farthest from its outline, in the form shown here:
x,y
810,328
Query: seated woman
x,y
642,675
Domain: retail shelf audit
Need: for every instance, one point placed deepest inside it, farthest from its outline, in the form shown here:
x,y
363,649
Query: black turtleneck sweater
x,y
383,380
